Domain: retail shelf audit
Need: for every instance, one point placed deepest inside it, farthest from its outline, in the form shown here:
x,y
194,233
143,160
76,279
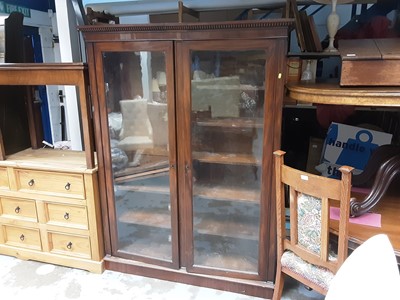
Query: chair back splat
x,y
304,201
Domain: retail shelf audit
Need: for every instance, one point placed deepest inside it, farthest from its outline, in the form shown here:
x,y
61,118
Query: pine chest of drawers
x,y
50,210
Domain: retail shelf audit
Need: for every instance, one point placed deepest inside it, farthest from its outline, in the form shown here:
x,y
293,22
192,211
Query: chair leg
x,y
136,156
279,282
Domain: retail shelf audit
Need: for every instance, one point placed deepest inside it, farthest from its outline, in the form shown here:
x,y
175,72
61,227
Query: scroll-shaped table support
x,y
377,159
385,175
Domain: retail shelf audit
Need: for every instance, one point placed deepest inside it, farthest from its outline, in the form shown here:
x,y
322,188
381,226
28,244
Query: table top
x,y
333,93
389,208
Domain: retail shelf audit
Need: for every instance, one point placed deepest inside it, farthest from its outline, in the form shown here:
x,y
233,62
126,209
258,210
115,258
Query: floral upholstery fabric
x,y
309,222
318,275
309,236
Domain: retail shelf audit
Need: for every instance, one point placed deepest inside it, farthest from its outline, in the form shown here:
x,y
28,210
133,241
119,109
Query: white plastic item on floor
x,y
370,272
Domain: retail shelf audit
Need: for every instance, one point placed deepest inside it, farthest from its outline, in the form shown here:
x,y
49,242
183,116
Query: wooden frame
x,y
329,191
270,37
299,26
54,74
182,9
314,34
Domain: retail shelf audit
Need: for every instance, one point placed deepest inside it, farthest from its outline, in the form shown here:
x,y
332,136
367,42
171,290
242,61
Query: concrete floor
x,y
30,279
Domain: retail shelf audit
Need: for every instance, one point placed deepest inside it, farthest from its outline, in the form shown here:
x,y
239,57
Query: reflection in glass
x,y
135,88
227,90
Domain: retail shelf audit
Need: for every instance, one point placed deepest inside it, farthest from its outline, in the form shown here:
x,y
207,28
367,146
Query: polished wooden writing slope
x,y
367,61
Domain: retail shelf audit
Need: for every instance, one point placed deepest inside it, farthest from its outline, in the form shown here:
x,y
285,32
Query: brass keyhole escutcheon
x,y
68,186
66,216
69,245
17,210
31,182
22,237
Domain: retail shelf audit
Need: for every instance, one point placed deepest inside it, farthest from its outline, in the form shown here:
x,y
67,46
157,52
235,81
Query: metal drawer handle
x,y
67,186
69,245
66,216
22,237
31,182
17,210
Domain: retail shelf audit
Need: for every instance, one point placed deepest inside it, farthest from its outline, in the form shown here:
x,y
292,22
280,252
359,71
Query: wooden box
x,y
370,62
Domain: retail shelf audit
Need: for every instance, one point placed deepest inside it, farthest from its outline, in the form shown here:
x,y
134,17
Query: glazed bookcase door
x,y
229,107
136,102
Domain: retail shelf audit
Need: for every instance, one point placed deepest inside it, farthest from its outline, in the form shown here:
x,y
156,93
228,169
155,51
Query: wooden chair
x,y
305,254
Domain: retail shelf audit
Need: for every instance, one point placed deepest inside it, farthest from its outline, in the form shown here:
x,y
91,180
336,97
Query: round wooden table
x,y
332,93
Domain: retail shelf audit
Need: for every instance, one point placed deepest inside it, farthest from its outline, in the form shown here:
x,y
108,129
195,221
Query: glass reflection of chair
x,y
305,254
158,116
136,134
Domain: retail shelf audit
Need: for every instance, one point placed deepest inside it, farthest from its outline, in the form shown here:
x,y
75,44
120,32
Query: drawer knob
x,y
31,182
22,237
17,210
68,186
66,216
69,245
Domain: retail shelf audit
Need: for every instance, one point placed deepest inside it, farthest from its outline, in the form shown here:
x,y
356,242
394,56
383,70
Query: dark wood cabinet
x,y
187,117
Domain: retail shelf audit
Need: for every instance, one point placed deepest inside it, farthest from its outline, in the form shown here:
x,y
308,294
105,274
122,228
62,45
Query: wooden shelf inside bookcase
x,y
223,225
226,158
145,189
156,218
230,122
226,193
157,168
141,172
204,190
212,224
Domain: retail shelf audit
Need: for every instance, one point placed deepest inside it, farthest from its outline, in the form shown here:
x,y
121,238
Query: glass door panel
x,y
227,93
137,107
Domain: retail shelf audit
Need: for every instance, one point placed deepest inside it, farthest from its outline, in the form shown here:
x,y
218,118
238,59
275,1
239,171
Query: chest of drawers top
x,y
66,161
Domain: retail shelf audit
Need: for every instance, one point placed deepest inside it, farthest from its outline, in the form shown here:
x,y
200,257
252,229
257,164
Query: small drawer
x,y
51,183
22,237
19,209
67,215
72,245
4,183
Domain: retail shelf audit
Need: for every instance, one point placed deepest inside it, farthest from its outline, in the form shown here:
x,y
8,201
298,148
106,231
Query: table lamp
x,y
332,22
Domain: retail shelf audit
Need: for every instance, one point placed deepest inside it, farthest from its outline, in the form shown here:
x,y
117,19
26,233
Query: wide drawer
x,y
4,184
67,215
72,245
51,183
22,237
19,209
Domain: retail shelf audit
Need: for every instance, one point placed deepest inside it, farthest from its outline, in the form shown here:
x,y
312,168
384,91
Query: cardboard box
x,y
349,145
